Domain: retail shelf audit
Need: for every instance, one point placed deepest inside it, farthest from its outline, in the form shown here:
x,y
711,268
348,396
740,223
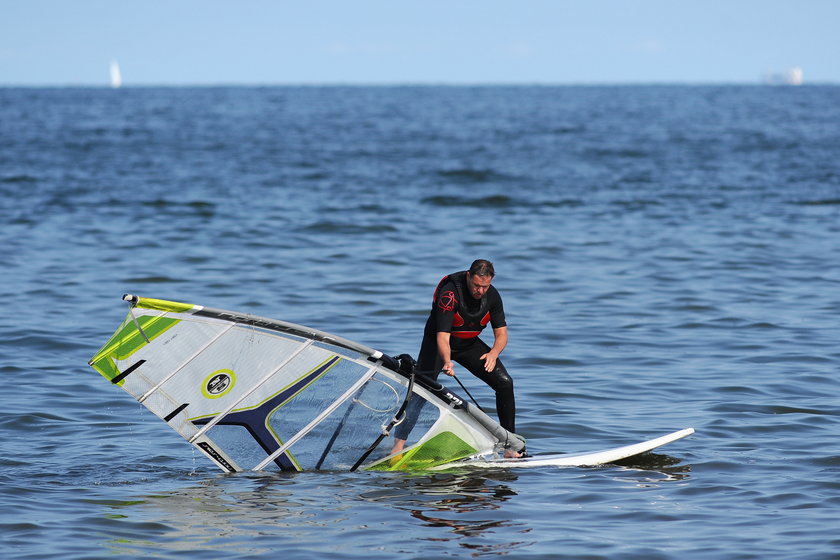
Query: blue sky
x,y
174,42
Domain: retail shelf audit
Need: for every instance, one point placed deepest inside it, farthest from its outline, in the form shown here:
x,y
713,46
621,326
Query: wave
x,y
492,201
329,227
19,179
469,175
820,202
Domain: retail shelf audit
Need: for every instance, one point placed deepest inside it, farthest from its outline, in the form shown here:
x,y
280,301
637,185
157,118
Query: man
x,y
464,303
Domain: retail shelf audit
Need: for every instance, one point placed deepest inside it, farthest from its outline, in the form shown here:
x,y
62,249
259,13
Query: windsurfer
x,y
464,304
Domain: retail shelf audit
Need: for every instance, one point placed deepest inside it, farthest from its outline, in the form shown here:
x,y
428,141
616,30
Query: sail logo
x,y
218,383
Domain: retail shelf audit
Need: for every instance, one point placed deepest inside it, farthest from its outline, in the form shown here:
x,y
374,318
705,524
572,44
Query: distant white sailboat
x,y
790,77
116,75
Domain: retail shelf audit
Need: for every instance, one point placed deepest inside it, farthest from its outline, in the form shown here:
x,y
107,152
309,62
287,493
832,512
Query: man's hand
x,y
448,369
489,361
499,344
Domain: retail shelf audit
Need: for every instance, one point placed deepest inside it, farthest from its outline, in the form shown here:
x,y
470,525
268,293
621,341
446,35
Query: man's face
x,y
478,285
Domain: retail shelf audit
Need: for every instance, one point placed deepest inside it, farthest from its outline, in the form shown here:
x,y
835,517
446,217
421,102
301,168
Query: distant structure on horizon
x,y
116,75
791,77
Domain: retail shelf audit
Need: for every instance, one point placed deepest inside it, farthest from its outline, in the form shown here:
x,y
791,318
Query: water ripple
x,y
666,254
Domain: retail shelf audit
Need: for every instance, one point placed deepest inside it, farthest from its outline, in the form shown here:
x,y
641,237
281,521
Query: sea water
x,y
668,256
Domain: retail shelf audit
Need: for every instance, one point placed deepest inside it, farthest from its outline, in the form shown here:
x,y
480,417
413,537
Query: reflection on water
x,y
473,491
235,513
257,513
658,467
468,506
216,515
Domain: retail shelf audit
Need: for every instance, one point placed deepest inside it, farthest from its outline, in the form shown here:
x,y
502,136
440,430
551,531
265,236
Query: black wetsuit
x,y
457,312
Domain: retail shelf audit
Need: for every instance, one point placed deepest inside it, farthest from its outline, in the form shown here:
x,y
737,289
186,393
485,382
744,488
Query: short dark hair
x,y
482,267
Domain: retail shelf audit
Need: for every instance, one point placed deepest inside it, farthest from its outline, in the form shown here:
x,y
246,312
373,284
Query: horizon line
x,y
418,83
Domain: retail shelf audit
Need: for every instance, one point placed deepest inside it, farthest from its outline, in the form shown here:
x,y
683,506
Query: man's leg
x,y
498,379
428,365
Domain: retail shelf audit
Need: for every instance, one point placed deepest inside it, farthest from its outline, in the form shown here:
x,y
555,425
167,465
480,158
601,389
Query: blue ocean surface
x,y
669,257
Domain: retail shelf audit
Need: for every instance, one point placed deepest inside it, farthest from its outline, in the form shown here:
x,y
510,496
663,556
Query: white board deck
x,y
588,459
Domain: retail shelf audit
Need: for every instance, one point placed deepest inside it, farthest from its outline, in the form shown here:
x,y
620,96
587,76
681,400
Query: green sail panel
x,y
442,448
128,340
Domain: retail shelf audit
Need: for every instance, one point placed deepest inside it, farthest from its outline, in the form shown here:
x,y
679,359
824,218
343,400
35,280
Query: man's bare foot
x,y
511,454
399,444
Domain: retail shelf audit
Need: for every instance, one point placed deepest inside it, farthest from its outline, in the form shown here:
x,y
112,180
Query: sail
x,y
116,75
253,393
